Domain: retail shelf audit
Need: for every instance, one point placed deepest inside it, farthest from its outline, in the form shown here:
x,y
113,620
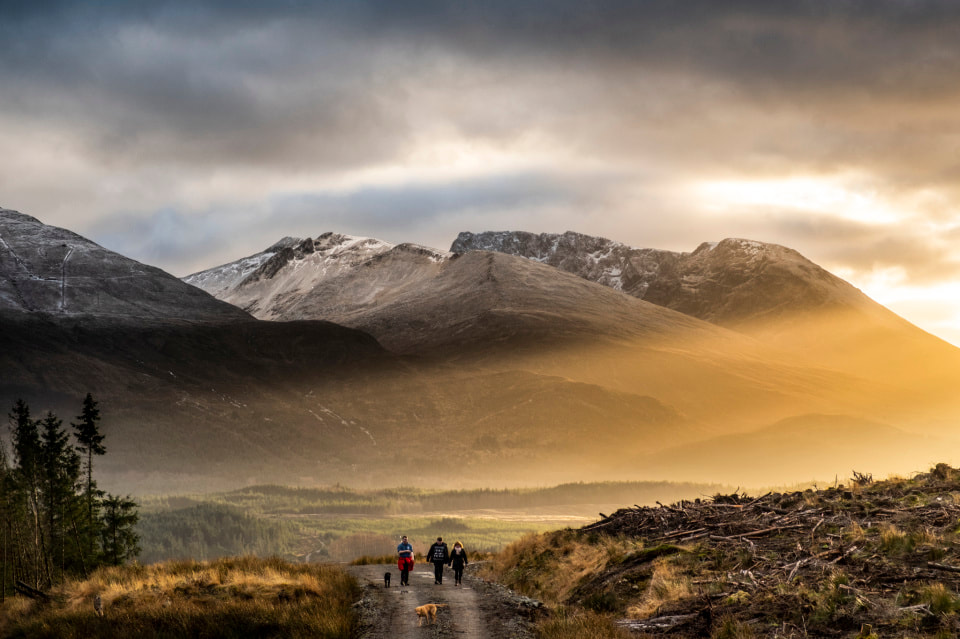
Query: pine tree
x,y
26,443
119,539
91,443
60,475
27,452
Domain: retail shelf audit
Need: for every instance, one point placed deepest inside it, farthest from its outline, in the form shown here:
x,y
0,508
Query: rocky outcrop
x,y
621,267
728,283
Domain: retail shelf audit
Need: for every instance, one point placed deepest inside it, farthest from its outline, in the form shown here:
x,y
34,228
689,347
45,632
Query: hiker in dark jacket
x,y
439,555
458,559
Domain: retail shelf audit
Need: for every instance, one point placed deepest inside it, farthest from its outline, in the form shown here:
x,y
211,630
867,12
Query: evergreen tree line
x,y
212,531
54,521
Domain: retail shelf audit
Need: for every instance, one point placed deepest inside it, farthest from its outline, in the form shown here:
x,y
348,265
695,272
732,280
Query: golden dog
x,y
428,612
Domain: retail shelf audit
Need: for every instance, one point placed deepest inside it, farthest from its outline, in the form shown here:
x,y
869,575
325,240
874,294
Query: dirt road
x,y
477,610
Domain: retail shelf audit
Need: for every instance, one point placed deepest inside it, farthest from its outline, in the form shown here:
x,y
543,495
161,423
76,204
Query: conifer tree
x,y
119,539
26,444
91,443
26,476
60,474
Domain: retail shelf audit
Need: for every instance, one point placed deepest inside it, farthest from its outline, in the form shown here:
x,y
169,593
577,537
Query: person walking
x,y
439,554
458,559
404,560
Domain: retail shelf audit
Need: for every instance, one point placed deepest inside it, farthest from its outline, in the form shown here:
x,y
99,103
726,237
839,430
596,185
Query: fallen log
x,y
681,533
924,608
932,564
28,591
846,554
756,533
657,623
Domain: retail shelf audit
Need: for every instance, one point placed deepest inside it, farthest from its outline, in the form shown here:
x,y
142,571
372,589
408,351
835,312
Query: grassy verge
x,y
240,597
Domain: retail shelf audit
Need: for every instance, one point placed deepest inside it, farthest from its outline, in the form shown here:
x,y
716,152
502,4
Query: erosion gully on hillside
x,y
871,557
477,610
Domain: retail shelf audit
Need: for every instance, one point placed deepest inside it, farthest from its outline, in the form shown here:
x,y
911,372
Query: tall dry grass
x,y
549,565
234,597
583,625
666,584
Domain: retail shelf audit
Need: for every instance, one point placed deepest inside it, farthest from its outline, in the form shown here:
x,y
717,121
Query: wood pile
x,y
889,540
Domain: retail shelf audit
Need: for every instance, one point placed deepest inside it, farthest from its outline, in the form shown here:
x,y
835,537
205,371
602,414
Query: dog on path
x,y
386,579
428,612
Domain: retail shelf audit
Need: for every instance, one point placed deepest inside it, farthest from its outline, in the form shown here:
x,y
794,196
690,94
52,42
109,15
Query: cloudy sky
x,y
187,134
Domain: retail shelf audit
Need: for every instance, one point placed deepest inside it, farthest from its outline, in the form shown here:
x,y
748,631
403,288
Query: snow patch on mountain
x,y
614,264
287,280
220,279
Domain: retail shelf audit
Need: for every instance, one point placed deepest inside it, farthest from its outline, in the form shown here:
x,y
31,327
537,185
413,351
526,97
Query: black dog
x,y
386,579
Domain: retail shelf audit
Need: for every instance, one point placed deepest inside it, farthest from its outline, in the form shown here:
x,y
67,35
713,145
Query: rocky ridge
x,y
728,282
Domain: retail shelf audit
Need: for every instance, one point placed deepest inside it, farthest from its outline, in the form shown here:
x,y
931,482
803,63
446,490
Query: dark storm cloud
x,y
183,83
327,83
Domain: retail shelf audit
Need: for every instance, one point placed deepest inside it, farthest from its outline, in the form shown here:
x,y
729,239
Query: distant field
x,y
341,524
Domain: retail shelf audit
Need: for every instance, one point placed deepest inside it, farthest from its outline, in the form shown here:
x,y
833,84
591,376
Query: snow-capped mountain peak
x,y
294,274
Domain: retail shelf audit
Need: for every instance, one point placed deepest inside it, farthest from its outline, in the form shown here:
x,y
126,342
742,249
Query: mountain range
x,y
512,358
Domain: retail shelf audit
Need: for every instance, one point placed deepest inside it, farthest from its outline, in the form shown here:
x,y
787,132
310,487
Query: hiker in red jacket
x,y
404,560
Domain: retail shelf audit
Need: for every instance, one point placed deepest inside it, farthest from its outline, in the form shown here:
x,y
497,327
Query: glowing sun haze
x,y
187,134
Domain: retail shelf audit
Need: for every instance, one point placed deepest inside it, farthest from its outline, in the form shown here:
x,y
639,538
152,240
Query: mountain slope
x,y
45,269
766,291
